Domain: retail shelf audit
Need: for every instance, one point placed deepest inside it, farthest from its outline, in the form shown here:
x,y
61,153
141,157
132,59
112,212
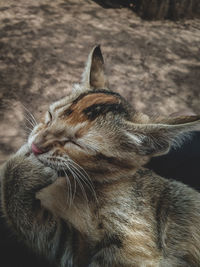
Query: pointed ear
x,y
94,76
156,139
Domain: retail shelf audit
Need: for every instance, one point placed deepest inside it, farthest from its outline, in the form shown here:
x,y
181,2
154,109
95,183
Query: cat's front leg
x,y
21,177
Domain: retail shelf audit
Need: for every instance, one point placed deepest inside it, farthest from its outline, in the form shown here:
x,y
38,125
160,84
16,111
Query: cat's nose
x,y
36,150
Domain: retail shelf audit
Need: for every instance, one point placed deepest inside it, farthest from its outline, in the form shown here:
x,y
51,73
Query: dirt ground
x,y
44,44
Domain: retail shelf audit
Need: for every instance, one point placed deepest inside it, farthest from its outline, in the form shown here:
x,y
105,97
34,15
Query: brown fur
x,y
84,197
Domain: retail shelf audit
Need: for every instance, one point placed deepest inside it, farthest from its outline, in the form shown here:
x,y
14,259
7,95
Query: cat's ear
x,y
94,76
155,139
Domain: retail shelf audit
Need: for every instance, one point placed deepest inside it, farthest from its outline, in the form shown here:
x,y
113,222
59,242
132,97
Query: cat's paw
x,y
44,171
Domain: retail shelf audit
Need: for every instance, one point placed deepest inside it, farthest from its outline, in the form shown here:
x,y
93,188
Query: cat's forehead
x,y
60,104
85,100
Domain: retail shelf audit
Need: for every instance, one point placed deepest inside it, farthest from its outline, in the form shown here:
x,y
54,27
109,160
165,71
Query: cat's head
x,y
95,130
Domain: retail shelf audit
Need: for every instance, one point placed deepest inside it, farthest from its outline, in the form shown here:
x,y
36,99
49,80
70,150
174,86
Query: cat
x,y
78,192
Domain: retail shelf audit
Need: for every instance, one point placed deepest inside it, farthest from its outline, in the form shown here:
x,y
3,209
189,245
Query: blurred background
x,y
44,45
152,55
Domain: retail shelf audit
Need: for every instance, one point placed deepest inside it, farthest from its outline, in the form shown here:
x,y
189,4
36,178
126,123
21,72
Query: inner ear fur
x,y
156,138
94,74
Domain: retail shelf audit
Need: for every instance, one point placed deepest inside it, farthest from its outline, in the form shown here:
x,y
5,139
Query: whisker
x,y
27,133
30,114
80,184
80,168
75,180
82,177
69,188
28,128
30,122
87,180
85,175
74,189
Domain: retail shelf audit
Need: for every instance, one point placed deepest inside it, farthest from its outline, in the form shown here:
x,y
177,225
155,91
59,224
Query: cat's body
x,y
96,205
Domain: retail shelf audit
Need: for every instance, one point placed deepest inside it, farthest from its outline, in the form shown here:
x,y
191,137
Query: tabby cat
x,y
78,193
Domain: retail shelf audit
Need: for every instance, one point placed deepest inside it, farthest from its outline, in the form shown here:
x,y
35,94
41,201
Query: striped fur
x,y
84,199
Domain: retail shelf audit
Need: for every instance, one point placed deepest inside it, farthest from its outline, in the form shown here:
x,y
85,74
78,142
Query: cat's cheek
x,y
24,150
34,133
76,154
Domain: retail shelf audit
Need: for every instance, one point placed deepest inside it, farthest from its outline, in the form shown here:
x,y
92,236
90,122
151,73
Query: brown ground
x,y
44,44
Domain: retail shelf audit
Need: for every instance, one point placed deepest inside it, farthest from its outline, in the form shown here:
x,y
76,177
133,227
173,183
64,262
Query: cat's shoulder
x,y
169,189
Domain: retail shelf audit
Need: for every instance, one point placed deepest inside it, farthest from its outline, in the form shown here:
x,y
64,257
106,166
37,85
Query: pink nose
x,y
36,150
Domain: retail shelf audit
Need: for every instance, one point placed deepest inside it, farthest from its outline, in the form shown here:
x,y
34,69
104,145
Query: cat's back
x,y
176,209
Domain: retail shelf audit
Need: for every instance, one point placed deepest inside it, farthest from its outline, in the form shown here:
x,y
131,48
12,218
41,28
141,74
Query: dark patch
x,y
95,110
98,260
45,215
100,225
4,8
75,241
6,20
116,3
101,170
190,260
37,207
80,248
125,144
167,9
161,215
114,161
63,238
47,9
121,220
108,241
97,53
62,173
96,211
98,171
99,91
52,234
28,154
67,112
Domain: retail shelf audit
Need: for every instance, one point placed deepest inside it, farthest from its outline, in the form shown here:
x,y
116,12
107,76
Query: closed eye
x,y
71,141
48,118
50,115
